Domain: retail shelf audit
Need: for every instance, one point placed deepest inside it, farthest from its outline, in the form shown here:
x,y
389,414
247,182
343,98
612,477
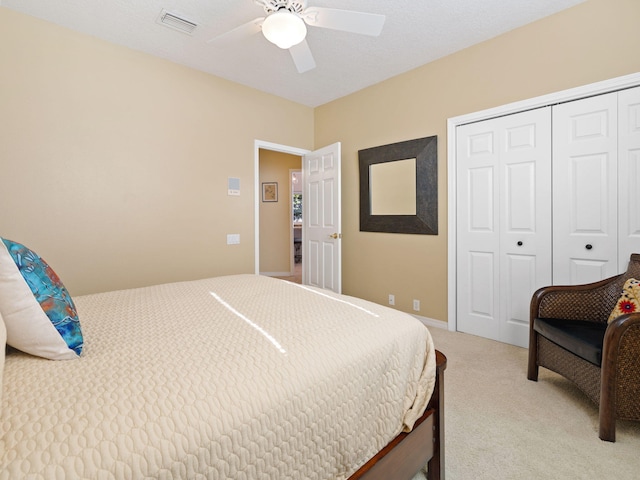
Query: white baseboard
x,y
276,274
432,322
429,322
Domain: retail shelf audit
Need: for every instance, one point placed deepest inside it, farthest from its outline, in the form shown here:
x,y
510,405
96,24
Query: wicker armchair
x,y
612,381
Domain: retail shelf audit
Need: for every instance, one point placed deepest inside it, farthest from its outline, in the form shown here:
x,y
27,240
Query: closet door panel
x,y
525,213
629,171
518,272
478,236
585,190
521,279
481,293
589,270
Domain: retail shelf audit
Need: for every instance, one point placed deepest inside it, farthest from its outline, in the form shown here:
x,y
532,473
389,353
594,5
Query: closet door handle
x,y
519,243
588,246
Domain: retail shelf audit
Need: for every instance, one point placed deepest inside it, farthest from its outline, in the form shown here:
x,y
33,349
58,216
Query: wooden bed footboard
x,y
406,454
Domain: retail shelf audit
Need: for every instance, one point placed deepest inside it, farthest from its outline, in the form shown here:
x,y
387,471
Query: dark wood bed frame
x,y
406,454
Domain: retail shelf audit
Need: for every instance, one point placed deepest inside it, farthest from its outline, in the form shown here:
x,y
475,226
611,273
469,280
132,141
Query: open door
x,y
322,231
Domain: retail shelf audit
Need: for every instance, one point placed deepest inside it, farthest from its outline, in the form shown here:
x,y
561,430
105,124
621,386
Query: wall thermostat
x,y
233,186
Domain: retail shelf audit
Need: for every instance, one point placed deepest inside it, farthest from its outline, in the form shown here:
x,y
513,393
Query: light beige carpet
x,y
499,425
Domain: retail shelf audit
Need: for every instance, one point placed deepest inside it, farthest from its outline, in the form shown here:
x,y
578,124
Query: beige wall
x,y
114,164
594,41
276,217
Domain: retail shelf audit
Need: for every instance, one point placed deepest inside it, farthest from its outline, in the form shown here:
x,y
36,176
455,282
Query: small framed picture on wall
x,y
269,191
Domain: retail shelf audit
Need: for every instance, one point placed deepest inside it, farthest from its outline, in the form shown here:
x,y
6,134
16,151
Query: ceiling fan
x,y
284,25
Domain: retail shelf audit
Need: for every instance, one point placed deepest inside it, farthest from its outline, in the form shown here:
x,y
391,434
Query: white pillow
x,y
38,311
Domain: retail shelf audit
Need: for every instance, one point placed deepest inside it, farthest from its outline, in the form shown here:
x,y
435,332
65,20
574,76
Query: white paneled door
x,y
503,222
585,193
629,172
322,244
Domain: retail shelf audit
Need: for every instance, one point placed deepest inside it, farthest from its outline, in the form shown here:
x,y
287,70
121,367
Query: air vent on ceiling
x,y
171,20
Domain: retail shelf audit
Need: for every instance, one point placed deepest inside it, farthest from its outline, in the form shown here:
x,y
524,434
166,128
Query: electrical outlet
x,y
392,299
416,305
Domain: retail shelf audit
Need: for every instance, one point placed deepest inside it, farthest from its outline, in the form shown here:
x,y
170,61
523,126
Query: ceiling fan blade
x,y
302,57
241,32
346,20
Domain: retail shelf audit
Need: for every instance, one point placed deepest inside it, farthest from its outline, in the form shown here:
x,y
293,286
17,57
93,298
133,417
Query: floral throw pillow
x,y
629,301
37,310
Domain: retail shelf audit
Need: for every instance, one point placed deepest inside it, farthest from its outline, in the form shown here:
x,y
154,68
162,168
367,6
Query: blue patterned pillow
x,y
37,309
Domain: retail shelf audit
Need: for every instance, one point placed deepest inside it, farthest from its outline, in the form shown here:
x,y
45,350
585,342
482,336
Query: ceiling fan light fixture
x,y
285,29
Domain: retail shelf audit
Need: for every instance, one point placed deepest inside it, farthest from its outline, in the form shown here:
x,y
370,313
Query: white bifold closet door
x,y
596,169
503,222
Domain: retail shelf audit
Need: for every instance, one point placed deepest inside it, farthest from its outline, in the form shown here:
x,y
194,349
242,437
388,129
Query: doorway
x,y
277,229
296,215
321,229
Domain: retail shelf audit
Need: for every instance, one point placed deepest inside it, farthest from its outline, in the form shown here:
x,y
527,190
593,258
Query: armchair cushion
x,y
629,301
580,337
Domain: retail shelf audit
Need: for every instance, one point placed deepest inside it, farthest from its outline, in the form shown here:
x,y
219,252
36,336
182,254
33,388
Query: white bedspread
x,y
240,377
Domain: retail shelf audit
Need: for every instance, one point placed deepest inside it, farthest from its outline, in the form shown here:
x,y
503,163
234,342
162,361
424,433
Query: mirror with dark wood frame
x,y
425,220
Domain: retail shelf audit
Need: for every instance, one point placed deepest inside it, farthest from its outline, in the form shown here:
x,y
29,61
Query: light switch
x,y
233,239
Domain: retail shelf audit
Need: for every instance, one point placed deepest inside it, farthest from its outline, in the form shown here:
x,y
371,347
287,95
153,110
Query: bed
x,y
240,377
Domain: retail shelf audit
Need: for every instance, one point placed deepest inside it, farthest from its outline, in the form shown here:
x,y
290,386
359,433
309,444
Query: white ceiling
x,y
415,32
